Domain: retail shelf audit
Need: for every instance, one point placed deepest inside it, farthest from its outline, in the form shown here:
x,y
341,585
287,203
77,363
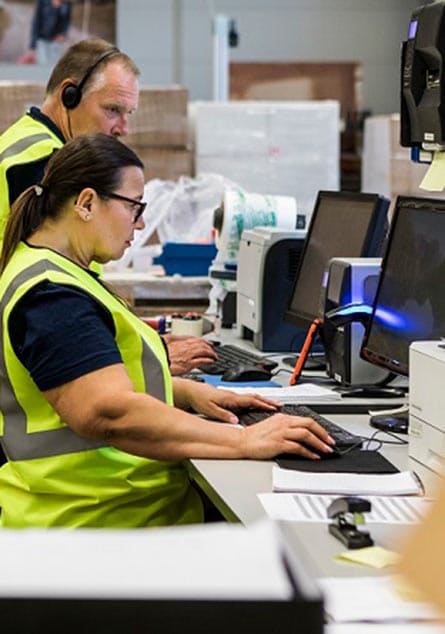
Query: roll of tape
x,y
243,210
191,326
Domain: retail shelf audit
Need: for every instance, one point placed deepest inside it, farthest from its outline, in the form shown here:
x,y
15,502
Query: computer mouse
x,y
244,373
336,453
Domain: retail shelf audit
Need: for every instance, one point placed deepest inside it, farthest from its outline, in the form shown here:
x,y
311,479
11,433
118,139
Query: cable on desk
x,y
380,441
280,370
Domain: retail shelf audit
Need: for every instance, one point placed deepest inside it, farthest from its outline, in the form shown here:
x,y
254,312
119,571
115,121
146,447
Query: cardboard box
x,y
387,168
16,97
165,163
161,118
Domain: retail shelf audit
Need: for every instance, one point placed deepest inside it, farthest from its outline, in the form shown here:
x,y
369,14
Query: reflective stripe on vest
x,y
17,443
23,144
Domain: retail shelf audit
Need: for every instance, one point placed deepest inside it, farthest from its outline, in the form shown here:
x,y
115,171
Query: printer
x,y
267,265
427,403
350,282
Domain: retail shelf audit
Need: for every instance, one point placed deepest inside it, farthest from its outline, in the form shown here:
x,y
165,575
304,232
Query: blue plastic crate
x,y
186,258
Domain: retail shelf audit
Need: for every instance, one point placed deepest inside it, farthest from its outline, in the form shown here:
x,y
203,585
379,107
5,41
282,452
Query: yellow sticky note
x,y
374,556
434,179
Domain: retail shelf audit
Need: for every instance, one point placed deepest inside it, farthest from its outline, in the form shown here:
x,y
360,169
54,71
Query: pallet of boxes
x,y
158,132
16,98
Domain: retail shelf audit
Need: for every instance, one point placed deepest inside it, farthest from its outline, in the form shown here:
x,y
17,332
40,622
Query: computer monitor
x,y
343,224
410,300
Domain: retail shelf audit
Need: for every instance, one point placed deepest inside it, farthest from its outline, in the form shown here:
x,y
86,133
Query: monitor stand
x,y
315,362
372,391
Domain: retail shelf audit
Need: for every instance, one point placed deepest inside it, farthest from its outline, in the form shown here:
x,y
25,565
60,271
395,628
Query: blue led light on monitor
x,y
409,324
353,309
390,318
412,29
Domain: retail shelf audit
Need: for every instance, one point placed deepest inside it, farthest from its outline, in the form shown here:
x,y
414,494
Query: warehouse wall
x,y
368,31
171,39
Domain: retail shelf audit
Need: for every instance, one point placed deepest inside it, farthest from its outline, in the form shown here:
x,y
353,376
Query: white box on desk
x,y
427,403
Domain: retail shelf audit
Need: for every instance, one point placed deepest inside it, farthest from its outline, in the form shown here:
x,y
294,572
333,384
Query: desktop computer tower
x,y
268,259
349,281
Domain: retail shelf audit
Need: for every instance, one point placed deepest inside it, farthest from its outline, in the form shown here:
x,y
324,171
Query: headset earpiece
x,y
72,93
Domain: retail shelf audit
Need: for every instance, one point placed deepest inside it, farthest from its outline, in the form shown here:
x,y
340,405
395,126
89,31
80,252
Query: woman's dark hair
x,y
92,160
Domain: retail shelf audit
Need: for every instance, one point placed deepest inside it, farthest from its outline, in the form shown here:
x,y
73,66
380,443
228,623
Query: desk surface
x,y
233,486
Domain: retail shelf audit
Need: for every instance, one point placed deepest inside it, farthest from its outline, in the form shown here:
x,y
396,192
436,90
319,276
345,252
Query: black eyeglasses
x,y
139,204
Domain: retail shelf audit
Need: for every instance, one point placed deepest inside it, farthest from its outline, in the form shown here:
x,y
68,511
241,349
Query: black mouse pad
x,y
355,461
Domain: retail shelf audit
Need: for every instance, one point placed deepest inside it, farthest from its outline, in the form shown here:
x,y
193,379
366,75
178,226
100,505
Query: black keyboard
x,y
342,437
231,356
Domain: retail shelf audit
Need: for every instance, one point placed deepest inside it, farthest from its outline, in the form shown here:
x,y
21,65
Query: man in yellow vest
x,y
93,88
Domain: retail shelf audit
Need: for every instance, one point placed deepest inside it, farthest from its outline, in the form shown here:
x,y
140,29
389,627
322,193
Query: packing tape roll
x,y
241,210
191,326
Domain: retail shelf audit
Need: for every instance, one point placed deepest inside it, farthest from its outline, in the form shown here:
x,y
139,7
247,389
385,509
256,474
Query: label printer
x,y
427,403
268,259
422,115
348,292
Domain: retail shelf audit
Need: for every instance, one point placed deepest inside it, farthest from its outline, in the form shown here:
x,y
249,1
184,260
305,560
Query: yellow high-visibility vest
x,y
54,477
26,141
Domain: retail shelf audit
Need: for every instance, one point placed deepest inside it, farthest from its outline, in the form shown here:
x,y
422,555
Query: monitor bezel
x,y
367,353
371,246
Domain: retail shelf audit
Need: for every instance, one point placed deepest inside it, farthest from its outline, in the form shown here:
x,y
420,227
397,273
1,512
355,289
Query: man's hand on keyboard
x,y
187,353
282,433
218,404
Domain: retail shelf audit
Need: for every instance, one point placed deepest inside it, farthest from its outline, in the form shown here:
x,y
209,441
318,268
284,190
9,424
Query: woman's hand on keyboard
x,y
218,404
282,433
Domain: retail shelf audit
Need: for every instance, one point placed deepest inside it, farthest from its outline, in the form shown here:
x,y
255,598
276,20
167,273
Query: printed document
x,y
301,507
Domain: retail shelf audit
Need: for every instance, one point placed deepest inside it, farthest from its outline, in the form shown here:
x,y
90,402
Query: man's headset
x,y
72,93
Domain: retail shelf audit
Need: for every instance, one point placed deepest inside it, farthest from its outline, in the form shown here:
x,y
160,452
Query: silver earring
x,y
87,217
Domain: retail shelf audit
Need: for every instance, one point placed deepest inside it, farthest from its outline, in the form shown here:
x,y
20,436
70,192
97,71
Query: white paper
x,y
219,561
370,599
390,628
301,507
404,483
306,392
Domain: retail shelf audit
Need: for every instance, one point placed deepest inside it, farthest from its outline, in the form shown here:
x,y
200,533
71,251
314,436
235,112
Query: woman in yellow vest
x,y
94,427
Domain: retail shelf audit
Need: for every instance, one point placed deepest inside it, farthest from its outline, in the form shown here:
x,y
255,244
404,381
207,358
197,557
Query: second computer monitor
x,y
410,301
343,224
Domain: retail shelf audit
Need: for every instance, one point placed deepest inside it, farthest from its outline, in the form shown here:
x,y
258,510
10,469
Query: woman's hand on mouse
x,y
282,433
218,404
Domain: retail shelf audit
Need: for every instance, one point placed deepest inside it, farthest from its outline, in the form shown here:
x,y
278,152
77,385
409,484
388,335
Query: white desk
x,y
232,485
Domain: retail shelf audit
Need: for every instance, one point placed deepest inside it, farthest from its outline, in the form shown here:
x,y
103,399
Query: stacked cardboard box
x,y
387,168
16,97
289,147
158,132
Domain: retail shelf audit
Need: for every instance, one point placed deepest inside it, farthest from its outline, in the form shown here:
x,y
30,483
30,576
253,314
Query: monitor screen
x,y
344,225
410,301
